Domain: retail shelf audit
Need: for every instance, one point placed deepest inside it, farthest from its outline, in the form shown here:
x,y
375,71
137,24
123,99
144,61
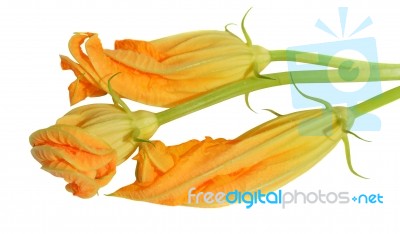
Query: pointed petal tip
x,y
89,34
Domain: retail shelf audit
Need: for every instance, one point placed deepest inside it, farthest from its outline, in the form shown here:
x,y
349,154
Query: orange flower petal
x,y
167,71
145,172
72,144
81,87
141,47
130,83
74,46
186,169
187,42
154,152
155,159
79,184
264,158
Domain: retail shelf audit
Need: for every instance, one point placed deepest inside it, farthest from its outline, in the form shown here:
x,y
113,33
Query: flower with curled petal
x,y
264,158
85,146
163,72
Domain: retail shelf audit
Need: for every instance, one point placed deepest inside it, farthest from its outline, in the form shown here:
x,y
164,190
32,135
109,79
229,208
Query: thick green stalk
x,y
375,102
252,84
326,60
221,94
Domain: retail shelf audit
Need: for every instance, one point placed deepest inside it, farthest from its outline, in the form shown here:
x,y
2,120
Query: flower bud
x,y
264,158
163,72
85,146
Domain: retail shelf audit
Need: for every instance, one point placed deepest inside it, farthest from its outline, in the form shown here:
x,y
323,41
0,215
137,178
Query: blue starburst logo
x,y
349,94
343,22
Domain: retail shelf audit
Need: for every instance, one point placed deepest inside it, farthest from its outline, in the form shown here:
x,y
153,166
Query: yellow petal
x,y
141,47
78,184
81,87
73,145
264,158
74,46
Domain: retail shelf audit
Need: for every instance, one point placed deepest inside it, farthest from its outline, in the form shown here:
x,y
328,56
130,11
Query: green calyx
x,y
116,99
348,115
136,132
346,119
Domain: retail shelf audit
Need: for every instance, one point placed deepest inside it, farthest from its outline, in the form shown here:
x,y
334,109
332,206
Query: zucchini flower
x,y
163,72
264,158
85,146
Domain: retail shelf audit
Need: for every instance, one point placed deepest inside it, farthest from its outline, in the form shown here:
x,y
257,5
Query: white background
x,y
34,94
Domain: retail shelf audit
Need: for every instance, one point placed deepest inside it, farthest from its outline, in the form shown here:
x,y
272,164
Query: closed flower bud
x,y
163,72
264,158
85,146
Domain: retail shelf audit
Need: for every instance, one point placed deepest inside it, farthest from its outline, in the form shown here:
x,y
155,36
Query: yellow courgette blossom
x,y
264,158
85,146
163,72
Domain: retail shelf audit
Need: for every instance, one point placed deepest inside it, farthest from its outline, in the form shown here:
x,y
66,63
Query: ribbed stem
x,y
375,102
326,60
252,84
221,94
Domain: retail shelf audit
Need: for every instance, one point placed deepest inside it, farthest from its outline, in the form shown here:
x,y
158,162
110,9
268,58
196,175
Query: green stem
x,y
326,60
252,84
375,102
221,94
